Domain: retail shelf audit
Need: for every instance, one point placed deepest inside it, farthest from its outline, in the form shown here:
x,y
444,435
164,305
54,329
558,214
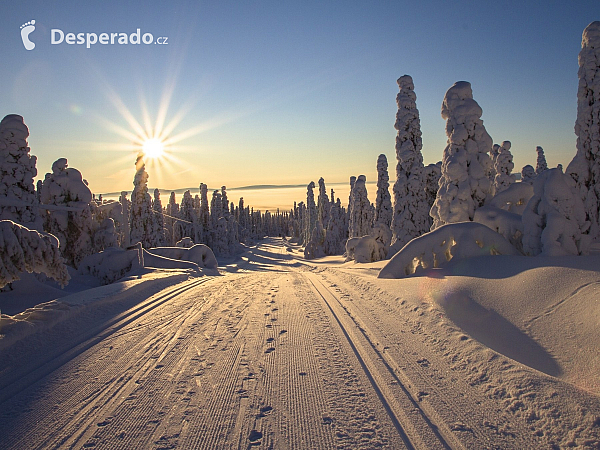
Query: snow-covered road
x,y
280,354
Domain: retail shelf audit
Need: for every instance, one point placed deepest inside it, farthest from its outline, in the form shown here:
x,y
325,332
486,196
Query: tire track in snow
x,y
414,425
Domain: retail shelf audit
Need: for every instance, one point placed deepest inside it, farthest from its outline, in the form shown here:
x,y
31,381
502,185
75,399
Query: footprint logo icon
x,y
26,29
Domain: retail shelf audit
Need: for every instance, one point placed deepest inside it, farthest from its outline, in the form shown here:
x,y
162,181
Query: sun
x,y
153,148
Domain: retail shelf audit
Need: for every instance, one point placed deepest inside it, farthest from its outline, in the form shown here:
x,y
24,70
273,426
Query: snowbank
x,y
434,249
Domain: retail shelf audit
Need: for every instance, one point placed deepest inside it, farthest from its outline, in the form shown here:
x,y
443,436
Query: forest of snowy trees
x,y
547,212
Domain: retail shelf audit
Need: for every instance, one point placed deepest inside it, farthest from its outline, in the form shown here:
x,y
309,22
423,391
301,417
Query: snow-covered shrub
x,y
18,200
514,199
383,200
363,249
464,184
508,224
585,167
503,166
199,254
528,174
457,240
70,218
541,164
411,211
315,248
370,248
554,221
111,264
360,214
106,235
25,250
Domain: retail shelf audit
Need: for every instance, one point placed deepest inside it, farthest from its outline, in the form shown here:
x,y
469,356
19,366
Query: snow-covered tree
x,y
431,174
411,213
25,250
585,167
18,200
106,235
161,235
310,216
383,201
464,183
188,215
337,230
204,217
361,216
323,204
503,166
70,218
554,221
541,164
142,223
528,174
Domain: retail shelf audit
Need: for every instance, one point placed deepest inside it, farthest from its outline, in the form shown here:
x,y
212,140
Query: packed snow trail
x,y
279,354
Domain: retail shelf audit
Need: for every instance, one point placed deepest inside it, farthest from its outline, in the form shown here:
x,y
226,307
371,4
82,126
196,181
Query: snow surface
x,y
283,353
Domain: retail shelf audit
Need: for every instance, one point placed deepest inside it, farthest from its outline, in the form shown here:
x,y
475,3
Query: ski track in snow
x,y
282,354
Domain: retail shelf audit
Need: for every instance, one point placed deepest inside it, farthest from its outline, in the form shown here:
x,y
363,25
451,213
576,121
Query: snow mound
x,y
25,250
458,240
199,254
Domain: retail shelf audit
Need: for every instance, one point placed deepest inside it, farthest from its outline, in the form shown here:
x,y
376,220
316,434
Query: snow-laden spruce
x,y
18,201
411,211
431,175
464,184
161,233
25,250
310,216
323,204
541,164
554,221
361,218
142,221
585,167
452,241
503,166
337,229
70,216
383,200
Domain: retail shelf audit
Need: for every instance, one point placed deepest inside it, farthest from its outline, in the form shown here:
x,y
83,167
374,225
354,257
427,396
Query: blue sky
x,y
276,92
